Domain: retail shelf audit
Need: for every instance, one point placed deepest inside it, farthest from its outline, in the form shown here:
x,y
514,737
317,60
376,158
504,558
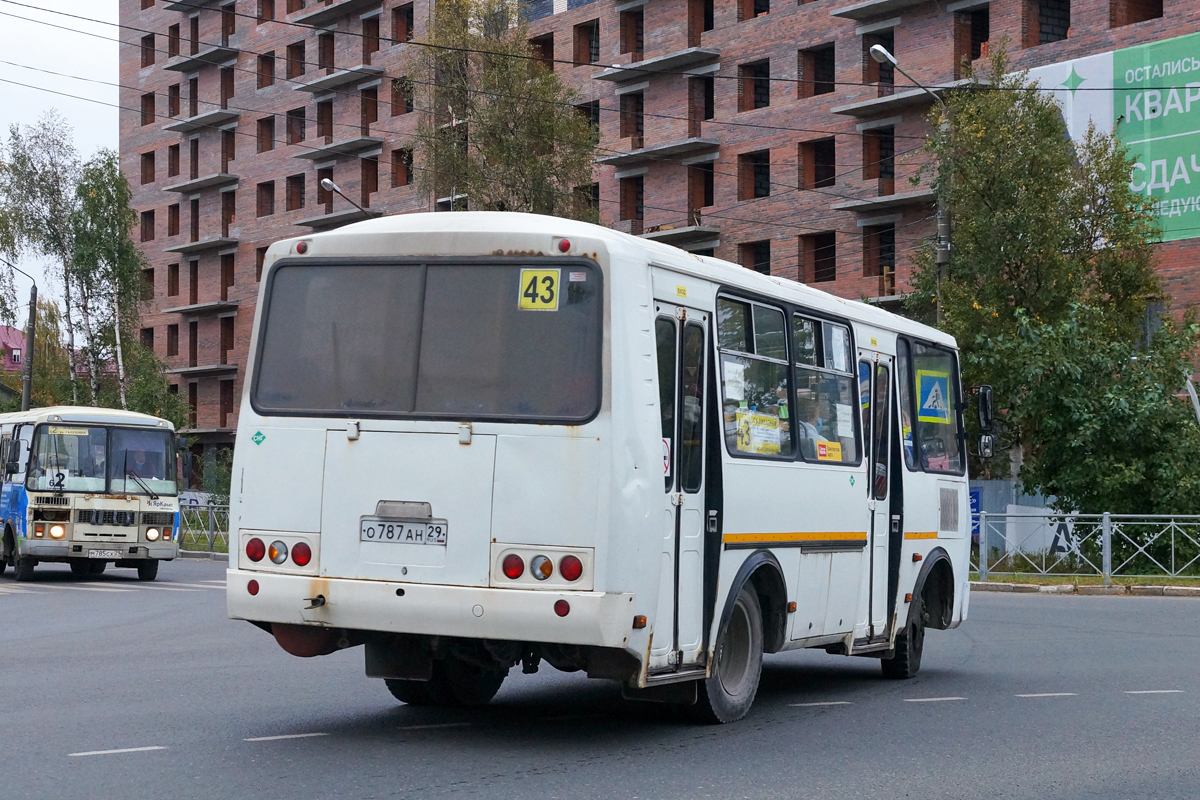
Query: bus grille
x,y
949,511
106,516
51,500
159,518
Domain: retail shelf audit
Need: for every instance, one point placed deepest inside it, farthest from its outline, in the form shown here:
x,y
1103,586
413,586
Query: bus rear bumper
x,y
595,618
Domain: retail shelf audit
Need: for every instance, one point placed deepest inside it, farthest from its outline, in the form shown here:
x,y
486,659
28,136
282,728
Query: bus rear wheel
x,y
909,644
727,694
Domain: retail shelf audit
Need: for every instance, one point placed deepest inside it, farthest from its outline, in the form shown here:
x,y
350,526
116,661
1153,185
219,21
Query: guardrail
x,y
204,528
1092,545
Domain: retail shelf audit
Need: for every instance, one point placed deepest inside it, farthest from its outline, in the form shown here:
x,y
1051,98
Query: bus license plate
x,y
392,530
104,553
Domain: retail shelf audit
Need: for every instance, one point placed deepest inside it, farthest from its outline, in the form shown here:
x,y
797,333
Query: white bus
x,y
87,487
475,440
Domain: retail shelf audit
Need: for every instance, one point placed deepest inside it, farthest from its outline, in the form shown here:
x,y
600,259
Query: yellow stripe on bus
x,y
921,535
779,538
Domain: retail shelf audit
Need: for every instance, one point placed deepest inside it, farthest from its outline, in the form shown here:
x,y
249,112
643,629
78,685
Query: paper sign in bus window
x,y
757,433
933,393
735,381
829,451
539,290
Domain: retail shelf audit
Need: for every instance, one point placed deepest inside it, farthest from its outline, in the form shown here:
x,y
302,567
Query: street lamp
x,y
330,186
27,369
881,56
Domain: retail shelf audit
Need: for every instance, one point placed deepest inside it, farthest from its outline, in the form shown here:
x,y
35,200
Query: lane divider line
x,y
284,736
1049,694
931,699
1156,691
430,727
826,703
122,750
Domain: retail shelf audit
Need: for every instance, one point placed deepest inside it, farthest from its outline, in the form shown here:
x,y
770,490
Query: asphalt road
x,y
1035,696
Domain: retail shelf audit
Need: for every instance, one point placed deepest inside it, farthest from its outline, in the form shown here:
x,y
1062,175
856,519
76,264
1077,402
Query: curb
x,y
202,555
1070,588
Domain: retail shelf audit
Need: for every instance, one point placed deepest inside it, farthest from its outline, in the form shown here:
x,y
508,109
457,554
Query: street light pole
x,y
881,55
330,186
27,368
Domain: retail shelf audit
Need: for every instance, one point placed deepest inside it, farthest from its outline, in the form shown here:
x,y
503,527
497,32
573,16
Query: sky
x,y
70,52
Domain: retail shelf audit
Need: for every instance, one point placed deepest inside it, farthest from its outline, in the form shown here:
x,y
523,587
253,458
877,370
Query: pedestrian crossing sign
x,y
933,391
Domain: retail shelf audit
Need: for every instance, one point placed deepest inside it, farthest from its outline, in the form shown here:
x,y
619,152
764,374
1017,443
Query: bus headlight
x,y
57,531
152,534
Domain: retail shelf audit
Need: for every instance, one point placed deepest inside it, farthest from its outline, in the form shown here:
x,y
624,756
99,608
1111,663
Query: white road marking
x,y
220,582
1050,694
169,584
1156,691
284,736
94,589
931,699
430,727
165,588
114,752
827,703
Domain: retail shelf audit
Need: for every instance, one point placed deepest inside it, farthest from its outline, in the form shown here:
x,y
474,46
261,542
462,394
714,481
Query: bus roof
x,y
85,414
506,226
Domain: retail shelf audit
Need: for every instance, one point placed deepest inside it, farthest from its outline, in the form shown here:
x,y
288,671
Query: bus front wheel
x,y
147,570
727,694
909,644
23,566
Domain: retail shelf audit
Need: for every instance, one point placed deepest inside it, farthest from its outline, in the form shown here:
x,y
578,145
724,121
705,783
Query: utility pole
x,y
881,56
27,369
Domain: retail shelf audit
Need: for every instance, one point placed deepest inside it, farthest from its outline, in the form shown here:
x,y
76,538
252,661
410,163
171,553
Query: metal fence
x,y
204,528
1086,545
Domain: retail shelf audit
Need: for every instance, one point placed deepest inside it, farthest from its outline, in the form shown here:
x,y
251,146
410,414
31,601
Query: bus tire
x,y
727,694
457,682
80,567
24,568
906,661
147,570
413,693
96,567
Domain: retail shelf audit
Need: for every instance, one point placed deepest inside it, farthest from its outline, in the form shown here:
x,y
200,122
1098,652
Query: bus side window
x,y
904,381
754,379
4,449
664,335
825,391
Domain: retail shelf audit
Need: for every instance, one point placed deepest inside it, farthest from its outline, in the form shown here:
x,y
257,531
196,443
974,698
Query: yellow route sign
x,y
539,289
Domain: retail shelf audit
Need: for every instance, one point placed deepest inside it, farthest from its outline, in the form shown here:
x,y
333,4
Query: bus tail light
x,y
570,568
541,567
301,554
277,552
513,566
255,549
252,588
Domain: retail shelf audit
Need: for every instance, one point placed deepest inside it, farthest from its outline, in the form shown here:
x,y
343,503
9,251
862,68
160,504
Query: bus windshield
x,y
504,340
95,459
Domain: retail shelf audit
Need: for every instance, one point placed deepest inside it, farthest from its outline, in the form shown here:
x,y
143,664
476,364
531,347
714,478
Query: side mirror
x,y
987,446
181,443
986,409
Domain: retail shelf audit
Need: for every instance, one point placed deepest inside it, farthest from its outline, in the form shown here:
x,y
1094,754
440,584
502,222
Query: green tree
x,y
1051,274
39,171
497,126
106,265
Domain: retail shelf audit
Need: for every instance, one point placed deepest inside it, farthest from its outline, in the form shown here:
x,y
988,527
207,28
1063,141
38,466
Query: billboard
x,y
1151,93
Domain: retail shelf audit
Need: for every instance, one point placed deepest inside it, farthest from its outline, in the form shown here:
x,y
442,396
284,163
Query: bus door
x,y
682,348
875,378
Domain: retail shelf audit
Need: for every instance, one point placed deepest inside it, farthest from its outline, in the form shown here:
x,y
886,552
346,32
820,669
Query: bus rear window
x,y
478,340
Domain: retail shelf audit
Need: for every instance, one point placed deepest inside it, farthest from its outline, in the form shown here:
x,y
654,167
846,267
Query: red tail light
x,y
301,554
570,568
513,566
252,588
255,549
562,608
